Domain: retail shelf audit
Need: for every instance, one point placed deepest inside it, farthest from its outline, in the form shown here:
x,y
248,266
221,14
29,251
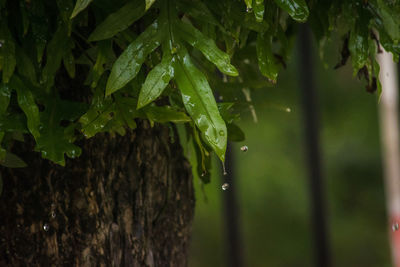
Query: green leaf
x,y
199,102
156,81
13,123
25,66
358,45
266,60
235,134
297,9
259,10
130,61
165,114
7,53
55,51
203,157
26,101
390,17
53,142
207,46
249,4
102,56
199,11
69,63
126,111
5,95
79,6
149,3
118,21
12,161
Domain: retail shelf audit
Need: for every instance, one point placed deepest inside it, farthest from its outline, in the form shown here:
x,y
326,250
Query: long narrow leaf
x,y
27,103
199,102
79,6
128,64
207,46
297,9
156,81
118,21
266,60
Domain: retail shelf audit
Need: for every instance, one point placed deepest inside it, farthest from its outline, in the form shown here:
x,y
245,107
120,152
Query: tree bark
x,y
126,201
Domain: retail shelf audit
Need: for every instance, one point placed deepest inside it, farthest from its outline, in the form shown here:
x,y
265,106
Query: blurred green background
x,y
272,182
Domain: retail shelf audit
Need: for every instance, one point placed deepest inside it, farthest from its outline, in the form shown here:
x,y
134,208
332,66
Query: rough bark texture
x,y
127,201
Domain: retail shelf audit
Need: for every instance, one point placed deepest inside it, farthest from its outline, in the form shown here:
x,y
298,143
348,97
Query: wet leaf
x,y
129,63
358,45
156,81
53,142
258,9
165,114
118,21
7,53
207,46
297,9
55,51
266,60
199,102
26,101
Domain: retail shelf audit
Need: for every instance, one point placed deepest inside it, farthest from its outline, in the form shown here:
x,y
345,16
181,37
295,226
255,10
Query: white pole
x,y
389,120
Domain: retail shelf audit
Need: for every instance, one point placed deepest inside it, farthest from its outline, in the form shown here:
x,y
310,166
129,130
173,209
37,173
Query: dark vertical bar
x,y
310,117
234,248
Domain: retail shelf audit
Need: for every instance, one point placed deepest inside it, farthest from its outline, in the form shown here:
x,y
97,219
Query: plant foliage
x,y
165,61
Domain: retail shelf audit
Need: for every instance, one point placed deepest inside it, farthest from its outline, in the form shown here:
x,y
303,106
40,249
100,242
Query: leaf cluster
x,y
172,61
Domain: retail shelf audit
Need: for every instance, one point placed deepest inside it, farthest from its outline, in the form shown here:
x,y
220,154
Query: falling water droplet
x,y
249,9
203,174
221,97
395,226
46,227
288,110
244,148
225,186
1,43
53,214
223,168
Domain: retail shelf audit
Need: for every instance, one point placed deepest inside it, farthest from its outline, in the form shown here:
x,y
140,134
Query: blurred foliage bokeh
x,y
272,180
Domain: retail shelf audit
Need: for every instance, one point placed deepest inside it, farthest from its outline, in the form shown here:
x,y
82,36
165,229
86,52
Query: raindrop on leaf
x,y
244,148
46,227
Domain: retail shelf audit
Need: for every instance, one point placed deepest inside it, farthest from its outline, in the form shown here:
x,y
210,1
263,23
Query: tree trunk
x,y
126,201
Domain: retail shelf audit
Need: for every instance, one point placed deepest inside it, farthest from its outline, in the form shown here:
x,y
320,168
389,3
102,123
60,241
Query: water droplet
x,y
225,186
203,174
395,226
221,133
53,214
46,227
221,97
288,110
244,148
223,168
249,9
